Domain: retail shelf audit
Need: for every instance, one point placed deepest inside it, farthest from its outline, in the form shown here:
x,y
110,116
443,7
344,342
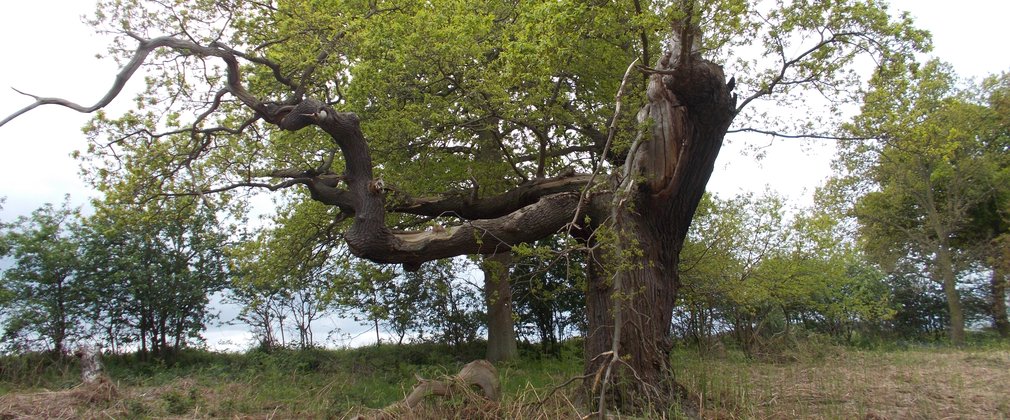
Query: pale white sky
x,y
48,51
968,34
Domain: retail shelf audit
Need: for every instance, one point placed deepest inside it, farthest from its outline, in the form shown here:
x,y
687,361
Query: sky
x,y
47,50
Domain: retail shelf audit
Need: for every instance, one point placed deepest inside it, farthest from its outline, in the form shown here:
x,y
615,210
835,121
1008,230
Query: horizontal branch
x,y
543,218
797,136
472,208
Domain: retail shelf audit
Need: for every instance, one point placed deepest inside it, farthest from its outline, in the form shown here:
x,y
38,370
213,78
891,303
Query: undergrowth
x,y
812,378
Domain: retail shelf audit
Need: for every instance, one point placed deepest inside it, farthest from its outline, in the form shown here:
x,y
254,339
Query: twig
x,y
610,138
556,388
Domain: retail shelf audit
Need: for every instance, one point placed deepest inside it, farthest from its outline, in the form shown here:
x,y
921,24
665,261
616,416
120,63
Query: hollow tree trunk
x,y
501,335
631,297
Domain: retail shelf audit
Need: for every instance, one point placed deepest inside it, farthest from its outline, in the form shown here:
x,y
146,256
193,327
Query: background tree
x,y
284,275
41,307
368,294
991,219
935,163
548,285
756,271
454,311
152,267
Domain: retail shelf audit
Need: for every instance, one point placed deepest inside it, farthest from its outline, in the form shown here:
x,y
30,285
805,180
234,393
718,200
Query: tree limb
x,y
797,136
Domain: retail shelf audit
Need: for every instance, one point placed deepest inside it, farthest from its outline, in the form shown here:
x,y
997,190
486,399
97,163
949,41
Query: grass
x,y
894,384
827,382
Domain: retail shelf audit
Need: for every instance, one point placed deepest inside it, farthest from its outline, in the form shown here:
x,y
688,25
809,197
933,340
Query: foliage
x,y
284,273
435,303
150,269
752,270
375,294
548,290
455,97
128,274
928,192
41,297
453,312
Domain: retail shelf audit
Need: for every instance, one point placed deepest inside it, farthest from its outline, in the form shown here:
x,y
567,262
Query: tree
x,y
41,291
934,169
286,272
435,83
549,288
367,292
991,219
452,313
751,266
151,268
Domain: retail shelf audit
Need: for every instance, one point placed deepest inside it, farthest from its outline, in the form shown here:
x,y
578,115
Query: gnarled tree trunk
x,y
631,297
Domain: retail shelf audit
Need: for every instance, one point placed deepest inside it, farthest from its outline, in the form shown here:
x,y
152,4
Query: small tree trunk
x,y
91,363
998,289
501,335
945,265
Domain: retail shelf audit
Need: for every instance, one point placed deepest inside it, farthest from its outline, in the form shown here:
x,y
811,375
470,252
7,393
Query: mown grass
x,y
822,381
918,381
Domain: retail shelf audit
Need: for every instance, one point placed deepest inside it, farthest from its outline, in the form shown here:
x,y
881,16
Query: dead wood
x,y
479,374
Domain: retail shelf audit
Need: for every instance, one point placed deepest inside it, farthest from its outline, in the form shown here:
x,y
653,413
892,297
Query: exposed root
x,y
478,373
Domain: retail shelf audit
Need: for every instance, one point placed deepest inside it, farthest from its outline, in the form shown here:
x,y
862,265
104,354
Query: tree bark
x,y
631,298
945,264
998,291
501,334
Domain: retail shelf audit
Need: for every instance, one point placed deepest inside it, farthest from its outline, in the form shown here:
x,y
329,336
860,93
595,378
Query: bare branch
x,y
146,47
787,64
797,136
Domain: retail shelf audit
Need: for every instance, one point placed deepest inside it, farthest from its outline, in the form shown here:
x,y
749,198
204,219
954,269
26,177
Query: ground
x,y
908,384
824,381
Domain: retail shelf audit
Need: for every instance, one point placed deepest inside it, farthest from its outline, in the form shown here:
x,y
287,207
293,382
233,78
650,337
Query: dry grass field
x,y
914,384
939,383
